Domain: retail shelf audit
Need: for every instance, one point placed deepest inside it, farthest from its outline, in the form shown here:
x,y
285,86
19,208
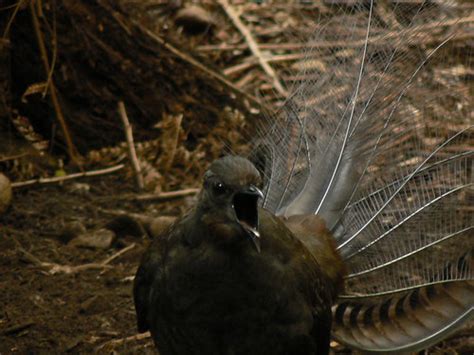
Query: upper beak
x,y
246,210
253,191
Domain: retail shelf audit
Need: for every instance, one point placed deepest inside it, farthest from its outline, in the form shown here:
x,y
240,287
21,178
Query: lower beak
x,y
255,237
246,210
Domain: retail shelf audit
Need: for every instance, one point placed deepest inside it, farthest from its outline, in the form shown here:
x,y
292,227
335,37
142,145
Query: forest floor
x,y
44,311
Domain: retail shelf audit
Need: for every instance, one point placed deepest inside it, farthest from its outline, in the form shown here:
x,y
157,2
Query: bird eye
x,y
219,188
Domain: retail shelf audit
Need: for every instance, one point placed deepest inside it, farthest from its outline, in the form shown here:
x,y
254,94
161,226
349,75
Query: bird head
x,y
230,195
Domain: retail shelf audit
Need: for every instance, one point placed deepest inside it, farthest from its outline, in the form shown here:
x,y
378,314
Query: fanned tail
x,y
377,140
411,322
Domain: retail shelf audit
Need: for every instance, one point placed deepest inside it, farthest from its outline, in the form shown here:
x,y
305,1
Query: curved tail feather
x,y
410,322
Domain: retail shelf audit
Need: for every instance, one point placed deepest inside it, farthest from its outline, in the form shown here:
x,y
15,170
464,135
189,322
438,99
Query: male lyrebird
x,y
231,278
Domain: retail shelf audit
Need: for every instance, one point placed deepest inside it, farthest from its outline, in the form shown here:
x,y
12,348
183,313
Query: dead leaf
x,y
36,88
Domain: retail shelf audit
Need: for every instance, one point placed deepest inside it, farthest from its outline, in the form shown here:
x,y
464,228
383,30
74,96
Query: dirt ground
x,y
91,310
78,312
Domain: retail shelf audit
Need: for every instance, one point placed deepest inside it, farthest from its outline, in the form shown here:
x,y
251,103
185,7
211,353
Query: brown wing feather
x,y
312,232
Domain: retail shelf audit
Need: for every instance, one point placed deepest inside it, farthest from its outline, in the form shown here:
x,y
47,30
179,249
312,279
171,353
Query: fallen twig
x,y
67,177
54,268
132,154
117,342
253,46
275,58
117,254
13,157
17,328
162,196
166,195
118,212
223,47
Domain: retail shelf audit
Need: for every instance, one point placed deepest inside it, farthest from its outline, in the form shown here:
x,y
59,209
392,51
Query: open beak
x,y
246,210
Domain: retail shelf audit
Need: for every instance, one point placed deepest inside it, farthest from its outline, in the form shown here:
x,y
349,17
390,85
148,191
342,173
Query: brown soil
x,y
79,312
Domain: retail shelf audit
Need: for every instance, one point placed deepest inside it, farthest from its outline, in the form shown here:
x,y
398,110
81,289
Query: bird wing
x,y
312,232
149,274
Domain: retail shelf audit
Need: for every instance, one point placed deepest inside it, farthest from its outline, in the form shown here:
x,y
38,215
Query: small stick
x,y
121,341
54,268
253,45
275,58
118,212
17,328
13,157
119,253
162,196
223,47
67,177
132,154
167,195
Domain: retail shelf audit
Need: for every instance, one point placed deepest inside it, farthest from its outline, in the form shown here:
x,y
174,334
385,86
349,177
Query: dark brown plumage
x,y
229,278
